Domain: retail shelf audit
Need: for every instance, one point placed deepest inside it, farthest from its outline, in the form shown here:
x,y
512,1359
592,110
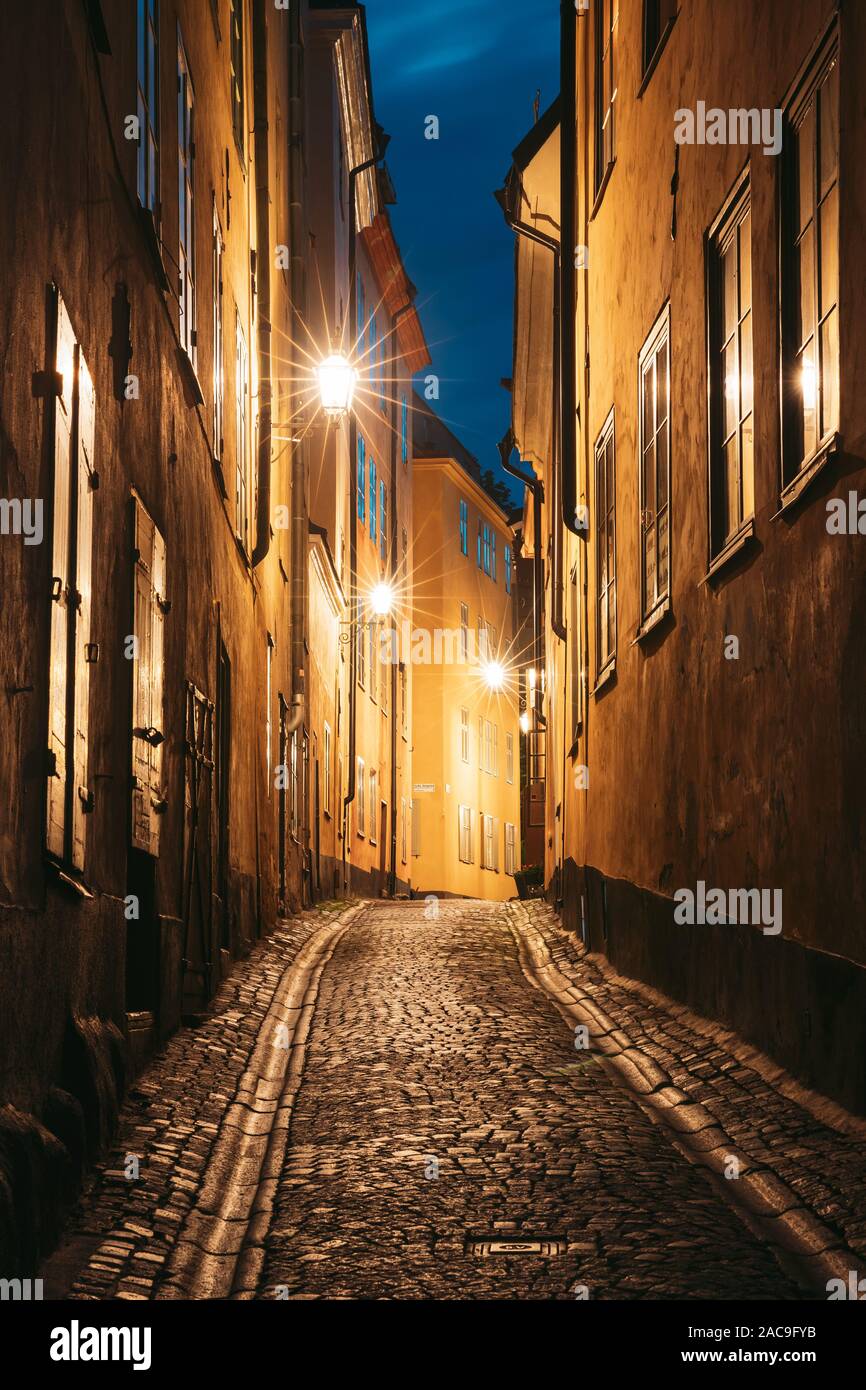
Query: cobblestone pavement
x,y
441,1100
121,1231
430,1054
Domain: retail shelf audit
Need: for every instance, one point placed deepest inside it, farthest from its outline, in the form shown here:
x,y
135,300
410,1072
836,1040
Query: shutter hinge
x,y
47,384
56,589
91,652
164,604
86,798
51,763
159,807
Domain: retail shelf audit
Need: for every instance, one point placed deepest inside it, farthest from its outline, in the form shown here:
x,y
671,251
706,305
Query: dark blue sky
x,y
476,64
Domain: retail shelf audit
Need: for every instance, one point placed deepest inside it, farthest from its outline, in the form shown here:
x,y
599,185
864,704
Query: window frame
x,y
606,435
360,797
242,435
326,767
237,76
464,734
464,834
186,269
727,224
659,335
464,527
218,381
804,95
650,58
147,106
604,115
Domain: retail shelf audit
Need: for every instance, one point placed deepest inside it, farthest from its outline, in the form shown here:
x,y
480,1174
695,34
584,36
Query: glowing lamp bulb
x,y
337,379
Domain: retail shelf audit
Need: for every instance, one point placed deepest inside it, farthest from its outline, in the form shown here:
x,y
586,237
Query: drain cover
x,y
495,1245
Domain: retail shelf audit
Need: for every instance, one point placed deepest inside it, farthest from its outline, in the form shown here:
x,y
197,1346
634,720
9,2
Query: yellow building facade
x,y
465,730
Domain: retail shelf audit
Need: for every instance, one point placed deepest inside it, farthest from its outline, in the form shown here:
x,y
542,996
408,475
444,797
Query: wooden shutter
x,y
60,575
147,683
81,796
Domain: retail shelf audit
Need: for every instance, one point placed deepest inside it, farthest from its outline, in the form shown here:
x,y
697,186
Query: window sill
x,y
731,549
151,236
605,677
602,188
192,386
793,491
654,60
649,624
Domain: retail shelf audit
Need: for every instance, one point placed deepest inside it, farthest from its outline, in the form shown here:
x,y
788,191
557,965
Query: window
x,y
68,798
293,785
374,793
810,264
361,310
605,87
237,74
658,16
655,467
186,205
403,830
148,106
404,702
510,848
372,360
491,748
507,566
605,548
359,797
489,843
362,480
268,698
509,757
464,632
464,834
326,789
464,734
481,743
372,498
218,349
361,637
478,546
729,307
371,642
575,655
383,652
404,432
242,386
486,549
383,519
464,527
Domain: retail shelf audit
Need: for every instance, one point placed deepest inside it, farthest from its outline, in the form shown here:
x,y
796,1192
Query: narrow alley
x,y
441,1101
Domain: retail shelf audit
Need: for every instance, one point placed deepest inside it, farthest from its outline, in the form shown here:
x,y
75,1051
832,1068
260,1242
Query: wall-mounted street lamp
x,y
525,721
337,378
494,675
382,600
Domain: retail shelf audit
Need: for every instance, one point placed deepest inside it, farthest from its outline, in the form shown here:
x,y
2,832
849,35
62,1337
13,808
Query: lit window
x,y
464,527
372,499
606,15
362,480
507,563
732,483
810,264
655,471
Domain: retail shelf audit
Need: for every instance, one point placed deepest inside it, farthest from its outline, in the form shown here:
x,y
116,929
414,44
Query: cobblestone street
x,y
433,1097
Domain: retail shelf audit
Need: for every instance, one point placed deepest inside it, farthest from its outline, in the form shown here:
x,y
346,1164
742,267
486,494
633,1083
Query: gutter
x,y
504,197
263,279
536,487
297,280
395,434
381,141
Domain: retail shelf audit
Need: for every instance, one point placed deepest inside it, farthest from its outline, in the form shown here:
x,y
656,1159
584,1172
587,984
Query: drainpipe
x,y
263,277
297,281
504,199
536,487
395,434
380,140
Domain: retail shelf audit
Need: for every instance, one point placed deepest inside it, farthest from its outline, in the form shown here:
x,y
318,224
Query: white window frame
x,y
464,834
361,826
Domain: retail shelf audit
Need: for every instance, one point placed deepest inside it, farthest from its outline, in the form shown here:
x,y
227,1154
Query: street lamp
x,y
337,379
494,675
382,600
524,721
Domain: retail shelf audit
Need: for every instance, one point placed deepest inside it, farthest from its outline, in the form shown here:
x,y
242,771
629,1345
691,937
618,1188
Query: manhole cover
x,y
496,1245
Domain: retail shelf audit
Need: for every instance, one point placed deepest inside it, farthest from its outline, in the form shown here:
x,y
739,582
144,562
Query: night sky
x,y
476,64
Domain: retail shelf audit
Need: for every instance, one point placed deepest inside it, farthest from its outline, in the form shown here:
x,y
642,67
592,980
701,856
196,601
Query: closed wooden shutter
x,y
61,579
147,683
81,796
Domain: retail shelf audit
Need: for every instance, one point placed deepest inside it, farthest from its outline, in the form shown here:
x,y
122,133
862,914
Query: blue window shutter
x,y
372,499
362,482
